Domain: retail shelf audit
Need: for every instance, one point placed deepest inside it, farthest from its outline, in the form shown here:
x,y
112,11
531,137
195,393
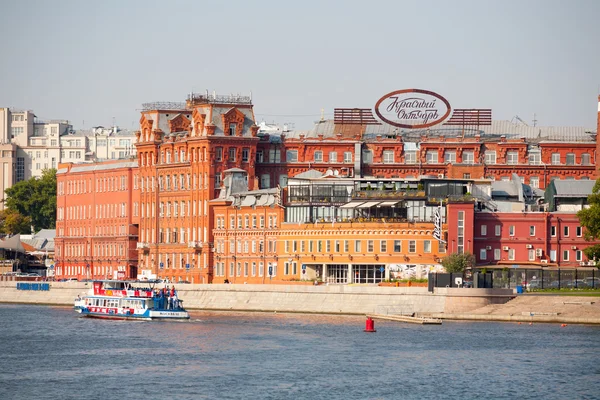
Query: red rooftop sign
x,y
413,108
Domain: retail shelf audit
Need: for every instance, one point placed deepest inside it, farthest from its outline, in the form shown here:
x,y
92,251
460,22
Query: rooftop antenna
x,y
534,120
322,114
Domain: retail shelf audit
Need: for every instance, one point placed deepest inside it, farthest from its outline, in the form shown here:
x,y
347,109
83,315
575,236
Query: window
x,y
553,255
370,246
347,157
318,156
497,254
570,159
468,157
450,157
412,246
579,231
333,156
219,154
232,129
367,157
397,246
259,156
565,255
383,246
275,156
232,153
555,159
388,156
410,157
566,231
466,176
531,254
531,230
490,157
553,230
482,254
534,182
511,254
291,155
511,230
535,158
578,255
497,230
245,154
483,230
432,157
512,157
585,159
357,246
265,181
427,246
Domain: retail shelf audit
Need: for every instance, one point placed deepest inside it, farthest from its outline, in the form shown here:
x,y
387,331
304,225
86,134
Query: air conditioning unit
x,y
582,263
488,247
573,247
538,252
505,248
591,262
530,246
544,261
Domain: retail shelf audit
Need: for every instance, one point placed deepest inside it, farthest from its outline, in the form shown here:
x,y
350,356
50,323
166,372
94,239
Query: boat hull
x,y
147,315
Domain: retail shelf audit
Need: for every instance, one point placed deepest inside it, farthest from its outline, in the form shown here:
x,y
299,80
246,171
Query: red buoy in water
x,y
370,325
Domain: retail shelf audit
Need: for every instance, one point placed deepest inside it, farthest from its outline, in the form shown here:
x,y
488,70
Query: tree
x,y
36,199
12,222
589,218
458,262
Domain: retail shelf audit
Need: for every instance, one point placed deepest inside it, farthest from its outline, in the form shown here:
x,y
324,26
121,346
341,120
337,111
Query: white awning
x,y
369,204
351,205
388,203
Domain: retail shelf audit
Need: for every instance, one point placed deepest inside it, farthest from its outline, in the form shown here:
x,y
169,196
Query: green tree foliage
x,y
589,218
35,199
12,222
458,262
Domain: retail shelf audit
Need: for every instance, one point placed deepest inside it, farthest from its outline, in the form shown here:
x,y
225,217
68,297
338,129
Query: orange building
x,y
247,225
183,150
97,220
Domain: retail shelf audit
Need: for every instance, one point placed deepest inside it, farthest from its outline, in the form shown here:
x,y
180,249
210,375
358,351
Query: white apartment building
x,y
28,145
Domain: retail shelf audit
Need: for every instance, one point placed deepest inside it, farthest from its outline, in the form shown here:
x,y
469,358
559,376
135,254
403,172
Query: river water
x,y
52,353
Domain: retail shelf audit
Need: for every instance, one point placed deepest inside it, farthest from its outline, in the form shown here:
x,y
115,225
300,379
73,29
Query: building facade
x,y
97,220
183,150
222,199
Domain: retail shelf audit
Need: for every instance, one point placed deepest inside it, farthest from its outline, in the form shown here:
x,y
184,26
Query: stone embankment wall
x,y
343,299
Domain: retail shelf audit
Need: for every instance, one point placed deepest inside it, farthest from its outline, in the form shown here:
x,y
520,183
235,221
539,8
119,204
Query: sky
x,y
95,62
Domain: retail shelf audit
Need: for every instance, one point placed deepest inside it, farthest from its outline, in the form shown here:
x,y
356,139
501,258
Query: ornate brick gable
x,y
199,120
179,124
233,116
146,128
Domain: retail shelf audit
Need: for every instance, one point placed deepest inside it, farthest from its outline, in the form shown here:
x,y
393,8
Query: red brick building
x,y
97,219
183,150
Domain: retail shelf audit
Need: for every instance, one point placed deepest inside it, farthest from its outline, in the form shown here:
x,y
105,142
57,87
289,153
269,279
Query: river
x,y
52,353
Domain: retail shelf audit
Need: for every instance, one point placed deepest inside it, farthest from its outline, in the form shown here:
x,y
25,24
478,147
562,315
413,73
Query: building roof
x,y
573,188
98,167
493,132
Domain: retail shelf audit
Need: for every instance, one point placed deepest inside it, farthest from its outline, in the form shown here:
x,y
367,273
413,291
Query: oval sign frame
x,y
419,126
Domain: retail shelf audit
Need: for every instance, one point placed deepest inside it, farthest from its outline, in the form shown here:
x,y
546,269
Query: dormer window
x,y
232,128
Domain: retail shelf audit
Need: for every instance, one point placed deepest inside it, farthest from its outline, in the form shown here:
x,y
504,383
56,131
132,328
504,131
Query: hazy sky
x,y
94,61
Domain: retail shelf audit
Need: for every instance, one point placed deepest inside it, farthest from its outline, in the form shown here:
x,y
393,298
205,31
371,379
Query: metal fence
x,y
538,279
